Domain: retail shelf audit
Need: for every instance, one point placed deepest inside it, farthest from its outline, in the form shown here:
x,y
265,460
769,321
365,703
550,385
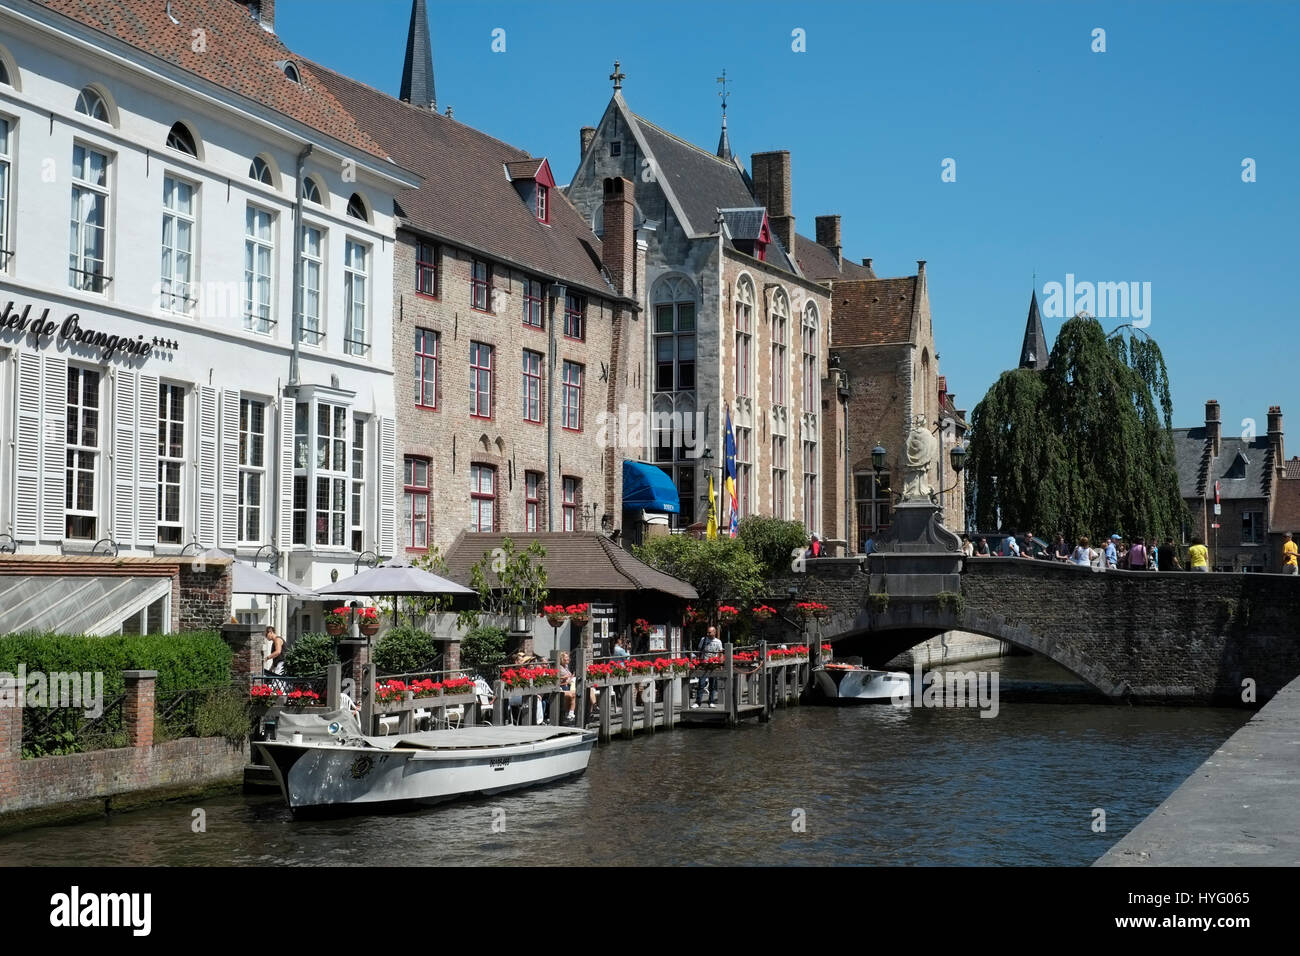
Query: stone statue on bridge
x,y
922,451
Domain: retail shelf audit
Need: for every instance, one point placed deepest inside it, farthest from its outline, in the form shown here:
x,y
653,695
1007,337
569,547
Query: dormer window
x,y
543,203
290,70
533,182
181,139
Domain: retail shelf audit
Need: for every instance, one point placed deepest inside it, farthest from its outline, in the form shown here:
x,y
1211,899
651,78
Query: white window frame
x,y
252,471
83,452
357,488
6,177
177,281
571,396
414,492
532,386
310,330
569,509
169,462
332,466
356,276
744,328
259,252
477,497
79,276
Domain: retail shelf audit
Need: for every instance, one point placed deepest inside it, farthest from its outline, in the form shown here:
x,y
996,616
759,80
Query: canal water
x,y
864,785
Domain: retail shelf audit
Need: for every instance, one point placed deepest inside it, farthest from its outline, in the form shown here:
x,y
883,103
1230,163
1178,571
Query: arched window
x,y
357,208
290,70
744,337
811,406
260,170
311,191
91,104
780,347
674,332
181,139
4,74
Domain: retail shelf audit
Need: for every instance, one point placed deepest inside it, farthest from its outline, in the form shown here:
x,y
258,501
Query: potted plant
x,y
762,612
301,697
336,621
641,628
266,694
727,614
368,621
555,614
579,614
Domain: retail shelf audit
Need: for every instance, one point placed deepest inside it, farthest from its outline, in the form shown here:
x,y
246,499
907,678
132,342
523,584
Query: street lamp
x,y
878,458
956,458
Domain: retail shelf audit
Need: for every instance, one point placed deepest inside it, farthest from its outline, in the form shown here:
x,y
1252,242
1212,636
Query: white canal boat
x,y
323,763
839,683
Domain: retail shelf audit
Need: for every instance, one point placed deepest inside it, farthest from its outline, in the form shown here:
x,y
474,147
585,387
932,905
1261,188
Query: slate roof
x,y
744,224
575,561
818,263
238,55
1197,472
417,69
1034,352
872,311
466,198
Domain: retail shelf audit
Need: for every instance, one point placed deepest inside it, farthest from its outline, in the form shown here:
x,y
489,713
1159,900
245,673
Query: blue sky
x,y
1122,166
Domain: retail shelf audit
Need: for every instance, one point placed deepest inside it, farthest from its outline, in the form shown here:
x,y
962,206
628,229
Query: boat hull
x,y
318,777
861,685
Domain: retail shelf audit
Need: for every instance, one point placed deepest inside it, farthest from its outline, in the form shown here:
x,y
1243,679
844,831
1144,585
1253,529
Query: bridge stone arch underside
x,y
1144,637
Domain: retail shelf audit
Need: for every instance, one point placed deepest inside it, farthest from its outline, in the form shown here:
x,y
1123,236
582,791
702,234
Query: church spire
x,y
1033,353
417,69
724,144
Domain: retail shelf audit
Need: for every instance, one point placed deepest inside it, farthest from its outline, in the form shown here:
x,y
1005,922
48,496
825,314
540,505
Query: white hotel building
x,y
155,159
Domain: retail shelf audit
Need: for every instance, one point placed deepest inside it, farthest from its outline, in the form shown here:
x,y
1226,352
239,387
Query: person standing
x,y
1167,558
1061,552
710,646
1198,555
1112,553
275,652
1290,556
1137,556
1082,555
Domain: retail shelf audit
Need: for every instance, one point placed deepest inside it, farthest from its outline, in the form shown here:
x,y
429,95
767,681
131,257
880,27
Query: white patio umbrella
x,y
247,579
393,579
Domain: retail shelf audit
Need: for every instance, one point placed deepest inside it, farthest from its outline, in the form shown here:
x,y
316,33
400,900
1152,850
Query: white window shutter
x,y
125,404
27,492
146,456
284,534
387,536
207,500
229,467
54,459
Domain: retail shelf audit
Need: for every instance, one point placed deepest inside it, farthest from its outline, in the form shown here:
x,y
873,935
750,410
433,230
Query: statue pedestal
x,y
919,557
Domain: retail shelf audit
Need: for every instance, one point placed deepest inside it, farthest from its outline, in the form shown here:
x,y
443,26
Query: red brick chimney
x,y
828,236
263,11
620,235
1275,445
771,176
1213,431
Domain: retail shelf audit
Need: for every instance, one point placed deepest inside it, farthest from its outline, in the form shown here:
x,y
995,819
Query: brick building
x,y
883,338
1249,475
515,329
738,317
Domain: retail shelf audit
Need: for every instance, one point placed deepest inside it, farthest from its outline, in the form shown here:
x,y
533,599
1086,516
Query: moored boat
x,y
325,763
841,683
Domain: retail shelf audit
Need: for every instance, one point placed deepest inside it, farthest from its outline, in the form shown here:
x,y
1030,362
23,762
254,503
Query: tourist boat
x,y
323,763
841,683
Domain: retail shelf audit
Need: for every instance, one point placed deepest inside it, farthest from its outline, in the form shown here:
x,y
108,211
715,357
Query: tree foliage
x,y
772,541
720,570
1084,447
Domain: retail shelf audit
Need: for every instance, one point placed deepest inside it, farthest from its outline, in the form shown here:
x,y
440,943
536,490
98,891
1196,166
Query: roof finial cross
x,y
723,80
618,76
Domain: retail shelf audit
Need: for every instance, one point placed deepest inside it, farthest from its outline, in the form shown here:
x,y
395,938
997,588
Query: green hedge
x,y
184,661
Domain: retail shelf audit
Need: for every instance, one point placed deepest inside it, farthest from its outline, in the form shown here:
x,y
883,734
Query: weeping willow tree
x,y
1083,447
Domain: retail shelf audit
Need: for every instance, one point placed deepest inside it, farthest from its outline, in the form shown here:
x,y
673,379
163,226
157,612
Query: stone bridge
x,y
1149,637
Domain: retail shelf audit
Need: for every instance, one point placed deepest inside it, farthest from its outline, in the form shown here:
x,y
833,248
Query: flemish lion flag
x,y
733,503
711,527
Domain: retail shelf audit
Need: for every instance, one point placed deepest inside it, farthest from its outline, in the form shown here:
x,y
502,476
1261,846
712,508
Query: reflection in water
x,y
875,784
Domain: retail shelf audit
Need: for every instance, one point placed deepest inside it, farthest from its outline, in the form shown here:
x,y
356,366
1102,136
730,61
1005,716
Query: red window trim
x,y
436,294
492,380
569,507
474,283
476,495
581,313
564,391
541,415
543,200
438,340
535,500
427,491
541,307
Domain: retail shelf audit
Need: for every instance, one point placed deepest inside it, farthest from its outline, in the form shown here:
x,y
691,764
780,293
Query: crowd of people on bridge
x,y
1115,553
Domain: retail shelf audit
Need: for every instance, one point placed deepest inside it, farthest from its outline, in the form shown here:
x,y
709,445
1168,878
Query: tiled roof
x,y
575,561
1197,472
872,311
1291,468
238,55
818,263
1286,506
466,197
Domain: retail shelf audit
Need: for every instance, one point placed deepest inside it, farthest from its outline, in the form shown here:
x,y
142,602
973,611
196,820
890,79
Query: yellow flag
x,y
711,529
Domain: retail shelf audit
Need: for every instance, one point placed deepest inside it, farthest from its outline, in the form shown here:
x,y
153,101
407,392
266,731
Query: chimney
x,y
771,175
585,136
867,262
619,240
1212,426
263,11
828,236
1275,446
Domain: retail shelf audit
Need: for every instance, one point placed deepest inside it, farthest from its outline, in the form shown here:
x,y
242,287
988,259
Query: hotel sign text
x,y
42,328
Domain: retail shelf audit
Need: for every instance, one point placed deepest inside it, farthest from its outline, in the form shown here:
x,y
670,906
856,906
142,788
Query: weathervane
x,y
617,76
723,80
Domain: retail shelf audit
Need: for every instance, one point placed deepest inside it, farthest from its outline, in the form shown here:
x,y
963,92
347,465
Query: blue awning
x,y
648,487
